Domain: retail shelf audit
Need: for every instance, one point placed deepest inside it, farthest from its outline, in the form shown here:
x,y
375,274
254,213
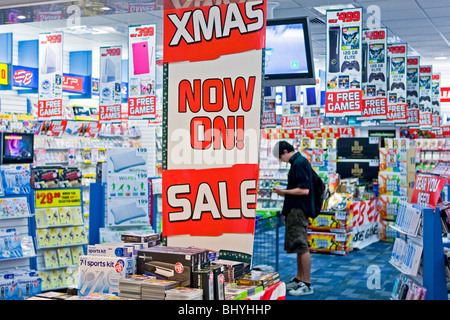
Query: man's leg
x,y
304,267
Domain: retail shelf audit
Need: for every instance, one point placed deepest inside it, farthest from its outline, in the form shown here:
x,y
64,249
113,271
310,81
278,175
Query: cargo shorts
x,y
296,237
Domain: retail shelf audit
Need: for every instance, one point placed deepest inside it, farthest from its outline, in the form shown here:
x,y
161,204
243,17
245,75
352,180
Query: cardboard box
x,y
328,221
387,206
170,263
328,242
364,170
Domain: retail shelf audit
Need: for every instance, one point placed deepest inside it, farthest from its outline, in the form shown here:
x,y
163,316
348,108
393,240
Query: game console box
x,y
107,250
204,279
170,263
219,281
102,274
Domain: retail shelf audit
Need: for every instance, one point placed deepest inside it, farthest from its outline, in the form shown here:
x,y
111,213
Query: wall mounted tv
x,y
288,59
17,148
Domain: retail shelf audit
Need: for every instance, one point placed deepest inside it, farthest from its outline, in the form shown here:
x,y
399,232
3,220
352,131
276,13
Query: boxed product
x,y
364,170
358,148
338,202
28,284
137,237
398,160
170,263
16,179
45,178
219,282
10,245
70,177
387,205
393,183
110,250
328,242
326,221
259,278
101,274
204,279
8,287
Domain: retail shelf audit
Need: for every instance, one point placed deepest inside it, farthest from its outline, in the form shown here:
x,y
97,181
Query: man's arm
x,y
292,192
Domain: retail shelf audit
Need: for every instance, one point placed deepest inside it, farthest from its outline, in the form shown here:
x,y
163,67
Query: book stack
x,y
131,286
155,289
232,270
184,293
259,278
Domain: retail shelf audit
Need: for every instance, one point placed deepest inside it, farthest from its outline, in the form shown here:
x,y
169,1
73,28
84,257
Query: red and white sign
x,y
142,108
365,223
311,123
427,190
191,29
413,117
445,94
210,202
269,119
57,128
93,130
426,120
110,113
374,108
344,103
397,113
291,121
50,109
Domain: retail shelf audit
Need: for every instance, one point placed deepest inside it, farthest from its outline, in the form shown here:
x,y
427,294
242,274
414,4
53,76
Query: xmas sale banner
x,y
212,119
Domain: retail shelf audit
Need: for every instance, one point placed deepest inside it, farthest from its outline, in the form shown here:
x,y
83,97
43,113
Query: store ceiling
x,y
423,24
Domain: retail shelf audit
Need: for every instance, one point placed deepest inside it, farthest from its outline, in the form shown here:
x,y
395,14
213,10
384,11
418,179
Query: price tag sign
x,y
3,73
58,198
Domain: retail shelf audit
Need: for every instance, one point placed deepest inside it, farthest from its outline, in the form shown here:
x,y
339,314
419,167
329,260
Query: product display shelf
x,y
18,223
432,274
61,235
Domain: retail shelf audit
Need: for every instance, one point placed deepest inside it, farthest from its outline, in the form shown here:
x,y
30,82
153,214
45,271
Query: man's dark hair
x,y
280,146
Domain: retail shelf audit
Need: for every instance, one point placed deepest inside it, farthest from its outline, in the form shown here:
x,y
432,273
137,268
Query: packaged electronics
x,y
102,274
170,263
10,245
328,242
45,178
259,278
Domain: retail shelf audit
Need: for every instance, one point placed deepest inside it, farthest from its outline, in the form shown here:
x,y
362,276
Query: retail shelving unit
x,y
431,272
19,224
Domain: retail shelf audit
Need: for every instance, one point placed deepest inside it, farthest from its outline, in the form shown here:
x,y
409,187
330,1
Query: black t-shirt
x,y
299,176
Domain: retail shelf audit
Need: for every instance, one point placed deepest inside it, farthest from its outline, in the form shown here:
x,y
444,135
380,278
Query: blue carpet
x,y
334,277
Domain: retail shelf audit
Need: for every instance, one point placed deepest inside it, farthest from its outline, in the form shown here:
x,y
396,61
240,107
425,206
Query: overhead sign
x,y
142,72
50,76
344,93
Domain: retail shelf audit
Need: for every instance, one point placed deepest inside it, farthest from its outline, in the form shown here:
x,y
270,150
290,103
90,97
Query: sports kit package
x,y
101,274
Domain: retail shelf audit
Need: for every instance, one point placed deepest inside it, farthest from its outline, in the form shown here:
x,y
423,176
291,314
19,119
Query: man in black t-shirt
x,y
296,208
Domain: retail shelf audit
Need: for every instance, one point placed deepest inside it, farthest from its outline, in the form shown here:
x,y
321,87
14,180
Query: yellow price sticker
x,y
58,198
3,73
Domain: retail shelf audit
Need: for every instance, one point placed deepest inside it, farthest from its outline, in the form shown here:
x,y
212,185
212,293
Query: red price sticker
x,y
349,16
143,32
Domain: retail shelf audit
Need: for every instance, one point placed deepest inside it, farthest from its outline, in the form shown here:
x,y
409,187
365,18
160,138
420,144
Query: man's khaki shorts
x,y
296,237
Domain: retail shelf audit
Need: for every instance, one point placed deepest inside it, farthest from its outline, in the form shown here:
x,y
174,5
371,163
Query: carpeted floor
x,y
364,274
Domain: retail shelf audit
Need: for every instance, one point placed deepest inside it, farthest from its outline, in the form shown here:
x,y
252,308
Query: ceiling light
x,y
21,17
323,9
106,8
440,58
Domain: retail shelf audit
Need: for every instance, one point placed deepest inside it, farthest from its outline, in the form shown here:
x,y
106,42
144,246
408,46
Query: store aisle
x,y
337,277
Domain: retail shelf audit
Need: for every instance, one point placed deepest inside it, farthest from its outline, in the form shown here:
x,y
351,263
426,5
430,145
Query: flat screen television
x,y
17,147
288,54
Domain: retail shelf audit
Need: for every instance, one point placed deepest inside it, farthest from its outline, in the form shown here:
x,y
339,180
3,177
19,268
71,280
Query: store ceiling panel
x,y
423,24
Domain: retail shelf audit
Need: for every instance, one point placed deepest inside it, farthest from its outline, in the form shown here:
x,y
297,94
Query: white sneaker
x,y
302,290
292,285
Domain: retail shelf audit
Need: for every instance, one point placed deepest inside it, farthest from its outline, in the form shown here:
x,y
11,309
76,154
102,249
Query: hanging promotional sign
x,y
425,93
374,74
412,91
212,119
436,94
396,110
109,84
427,190
50,76
269,116
343,95
445,94
141,72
